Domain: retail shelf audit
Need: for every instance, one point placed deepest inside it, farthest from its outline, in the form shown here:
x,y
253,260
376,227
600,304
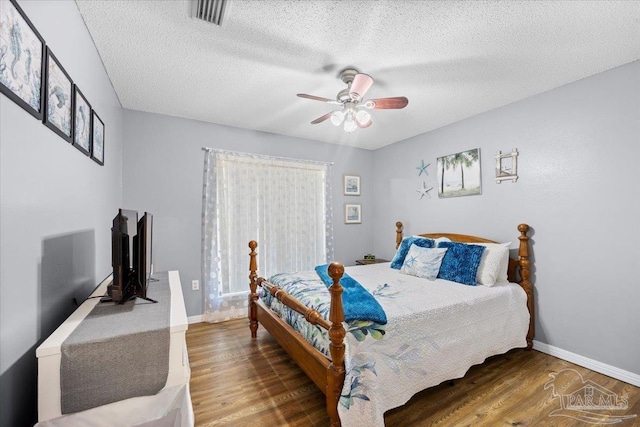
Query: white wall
x,y
579,171
162,174
57,206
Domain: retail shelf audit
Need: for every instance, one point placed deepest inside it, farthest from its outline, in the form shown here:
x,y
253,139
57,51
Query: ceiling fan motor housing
x,y
343,95
348,74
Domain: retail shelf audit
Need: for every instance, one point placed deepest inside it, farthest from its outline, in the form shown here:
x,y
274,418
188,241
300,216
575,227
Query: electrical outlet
x,y
195,285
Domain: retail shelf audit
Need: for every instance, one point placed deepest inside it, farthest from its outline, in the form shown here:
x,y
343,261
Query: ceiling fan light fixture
x,y
349,123
337,117
363,117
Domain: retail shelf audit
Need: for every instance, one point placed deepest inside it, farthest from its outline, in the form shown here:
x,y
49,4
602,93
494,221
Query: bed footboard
x,y
328,375
525,271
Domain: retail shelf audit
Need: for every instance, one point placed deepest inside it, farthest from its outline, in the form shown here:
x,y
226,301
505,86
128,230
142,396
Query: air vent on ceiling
x,y
209,10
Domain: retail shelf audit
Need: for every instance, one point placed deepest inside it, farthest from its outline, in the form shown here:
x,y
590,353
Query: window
x,y
284,204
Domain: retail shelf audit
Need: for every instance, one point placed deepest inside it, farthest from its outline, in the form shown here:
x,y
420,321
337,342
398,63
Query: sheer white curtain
x,y
283,204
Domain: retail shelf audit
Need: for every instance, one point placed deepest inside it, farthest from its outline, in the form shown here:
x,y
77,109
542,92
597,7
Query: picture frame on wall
x,y
97,139
81,122
351,185
58,98
352,213
459,174
22,51
507,166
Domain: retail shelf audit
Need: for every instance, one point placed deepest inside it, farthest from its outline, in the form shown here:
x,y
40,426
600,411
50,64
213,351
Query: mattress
x,y
436,331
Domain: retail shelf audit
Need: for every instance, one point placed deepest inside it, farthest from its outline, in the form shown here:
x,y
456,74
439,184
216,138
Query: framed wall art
x,y
507,166
22,52
59,89
97,139
352,213
351,184
81,122
459,174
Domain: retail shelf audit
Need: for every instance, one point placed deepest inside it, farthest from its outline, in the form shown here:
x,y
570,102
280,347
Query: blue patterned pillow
x,y
403,249
461,262
423,262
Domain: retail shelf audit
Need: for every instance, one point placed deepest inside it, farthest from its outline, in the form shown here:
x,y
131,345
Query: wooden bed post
x,y
253,295
398,234
335,375
525,264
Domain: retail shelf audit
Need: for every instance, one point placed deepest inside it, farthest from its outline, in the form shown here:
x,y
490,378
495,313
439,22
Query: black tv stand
x,y
145,298
109,299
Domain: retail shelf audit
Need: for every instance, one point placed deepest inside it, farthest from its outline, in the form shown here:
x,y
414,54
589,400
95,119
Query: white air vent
x,y
210,10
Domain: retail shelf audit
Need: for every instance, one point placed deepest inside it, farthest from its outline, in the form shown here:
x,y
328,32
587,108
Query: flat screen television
x,y
149,254
130,256
142,255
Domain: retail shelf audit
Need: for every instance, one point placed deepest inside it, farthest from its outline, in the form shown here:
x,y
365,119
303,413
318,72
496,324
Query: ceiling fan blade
x,y
322,118
364,125
360,85
319,98
387,103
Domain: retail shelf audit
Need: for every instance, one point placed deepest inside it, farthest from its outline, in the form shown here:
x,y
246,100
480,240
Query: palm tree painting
x,y
459,174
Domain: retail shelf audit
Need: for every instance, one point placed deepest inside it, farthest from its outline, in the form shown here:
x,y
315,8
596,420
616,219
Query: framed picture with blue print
x,y
22,51
81,122
352,213
351,185
97,139
58,98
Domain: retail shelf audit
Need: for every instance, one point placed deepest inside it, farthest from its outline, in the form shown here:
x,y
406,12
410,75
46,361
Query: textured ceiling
x,y
451,59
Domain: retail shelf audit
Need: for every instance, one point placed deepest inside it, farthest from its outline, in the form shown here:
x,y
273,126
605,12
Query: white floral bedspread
x,y
435,332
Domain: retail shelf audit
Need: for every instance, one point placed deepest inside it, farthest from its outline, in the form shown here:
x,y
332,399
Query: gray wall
x,y
162,174
56,211
579,172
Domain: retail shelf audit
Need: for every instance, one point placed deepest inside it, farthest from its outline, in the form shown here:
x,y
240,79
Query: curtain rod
x,y
265,156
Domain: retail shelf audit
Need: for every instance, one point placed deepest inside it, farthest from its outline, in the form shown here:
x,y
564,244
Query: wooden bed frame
x,y
327,374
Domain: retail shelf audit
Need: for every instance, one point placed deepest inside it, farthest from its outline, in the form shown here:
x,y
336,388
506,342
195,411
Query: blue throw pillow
x,y
460,263
403,249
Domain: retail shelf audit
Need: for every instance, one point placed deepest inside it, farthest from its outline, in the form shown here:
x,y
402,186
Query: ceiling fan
x,y
353,113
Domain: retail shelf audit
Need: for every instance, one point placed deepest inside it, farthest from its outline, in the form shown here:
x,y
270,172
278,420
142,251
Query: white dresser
x,y
172,403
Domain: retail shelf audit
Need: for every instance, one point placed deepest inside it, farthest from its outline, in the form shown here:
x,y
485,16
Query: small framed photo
x,y
59,89
351,185
352,213
81,122
97,139
22,52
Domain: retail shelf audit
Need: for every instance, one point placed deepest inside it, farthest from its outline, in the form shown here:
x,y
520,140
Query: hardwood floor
x,y
236,381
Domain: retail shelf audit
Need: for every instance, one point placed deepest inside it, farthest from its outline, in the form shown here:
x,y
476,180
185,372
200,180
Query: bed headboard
x,y
518,271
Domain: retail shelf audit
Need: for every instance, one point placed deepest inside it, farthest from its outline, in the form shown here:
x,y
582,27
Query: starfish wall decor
x,y
424,191
423,168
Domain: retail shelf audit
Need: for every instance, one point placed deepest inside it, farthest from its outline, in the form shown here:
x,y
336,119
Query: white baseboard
x,y
594,365
194,319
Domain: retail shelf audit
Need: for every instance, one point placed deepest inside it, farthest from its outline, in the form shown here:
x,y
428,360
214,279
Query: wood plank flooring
x,y
237,381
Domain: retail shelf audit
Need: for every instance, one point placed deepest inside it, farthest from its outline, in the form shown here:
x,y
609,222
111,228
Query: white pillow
x,y
423,262
441,239
494,263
